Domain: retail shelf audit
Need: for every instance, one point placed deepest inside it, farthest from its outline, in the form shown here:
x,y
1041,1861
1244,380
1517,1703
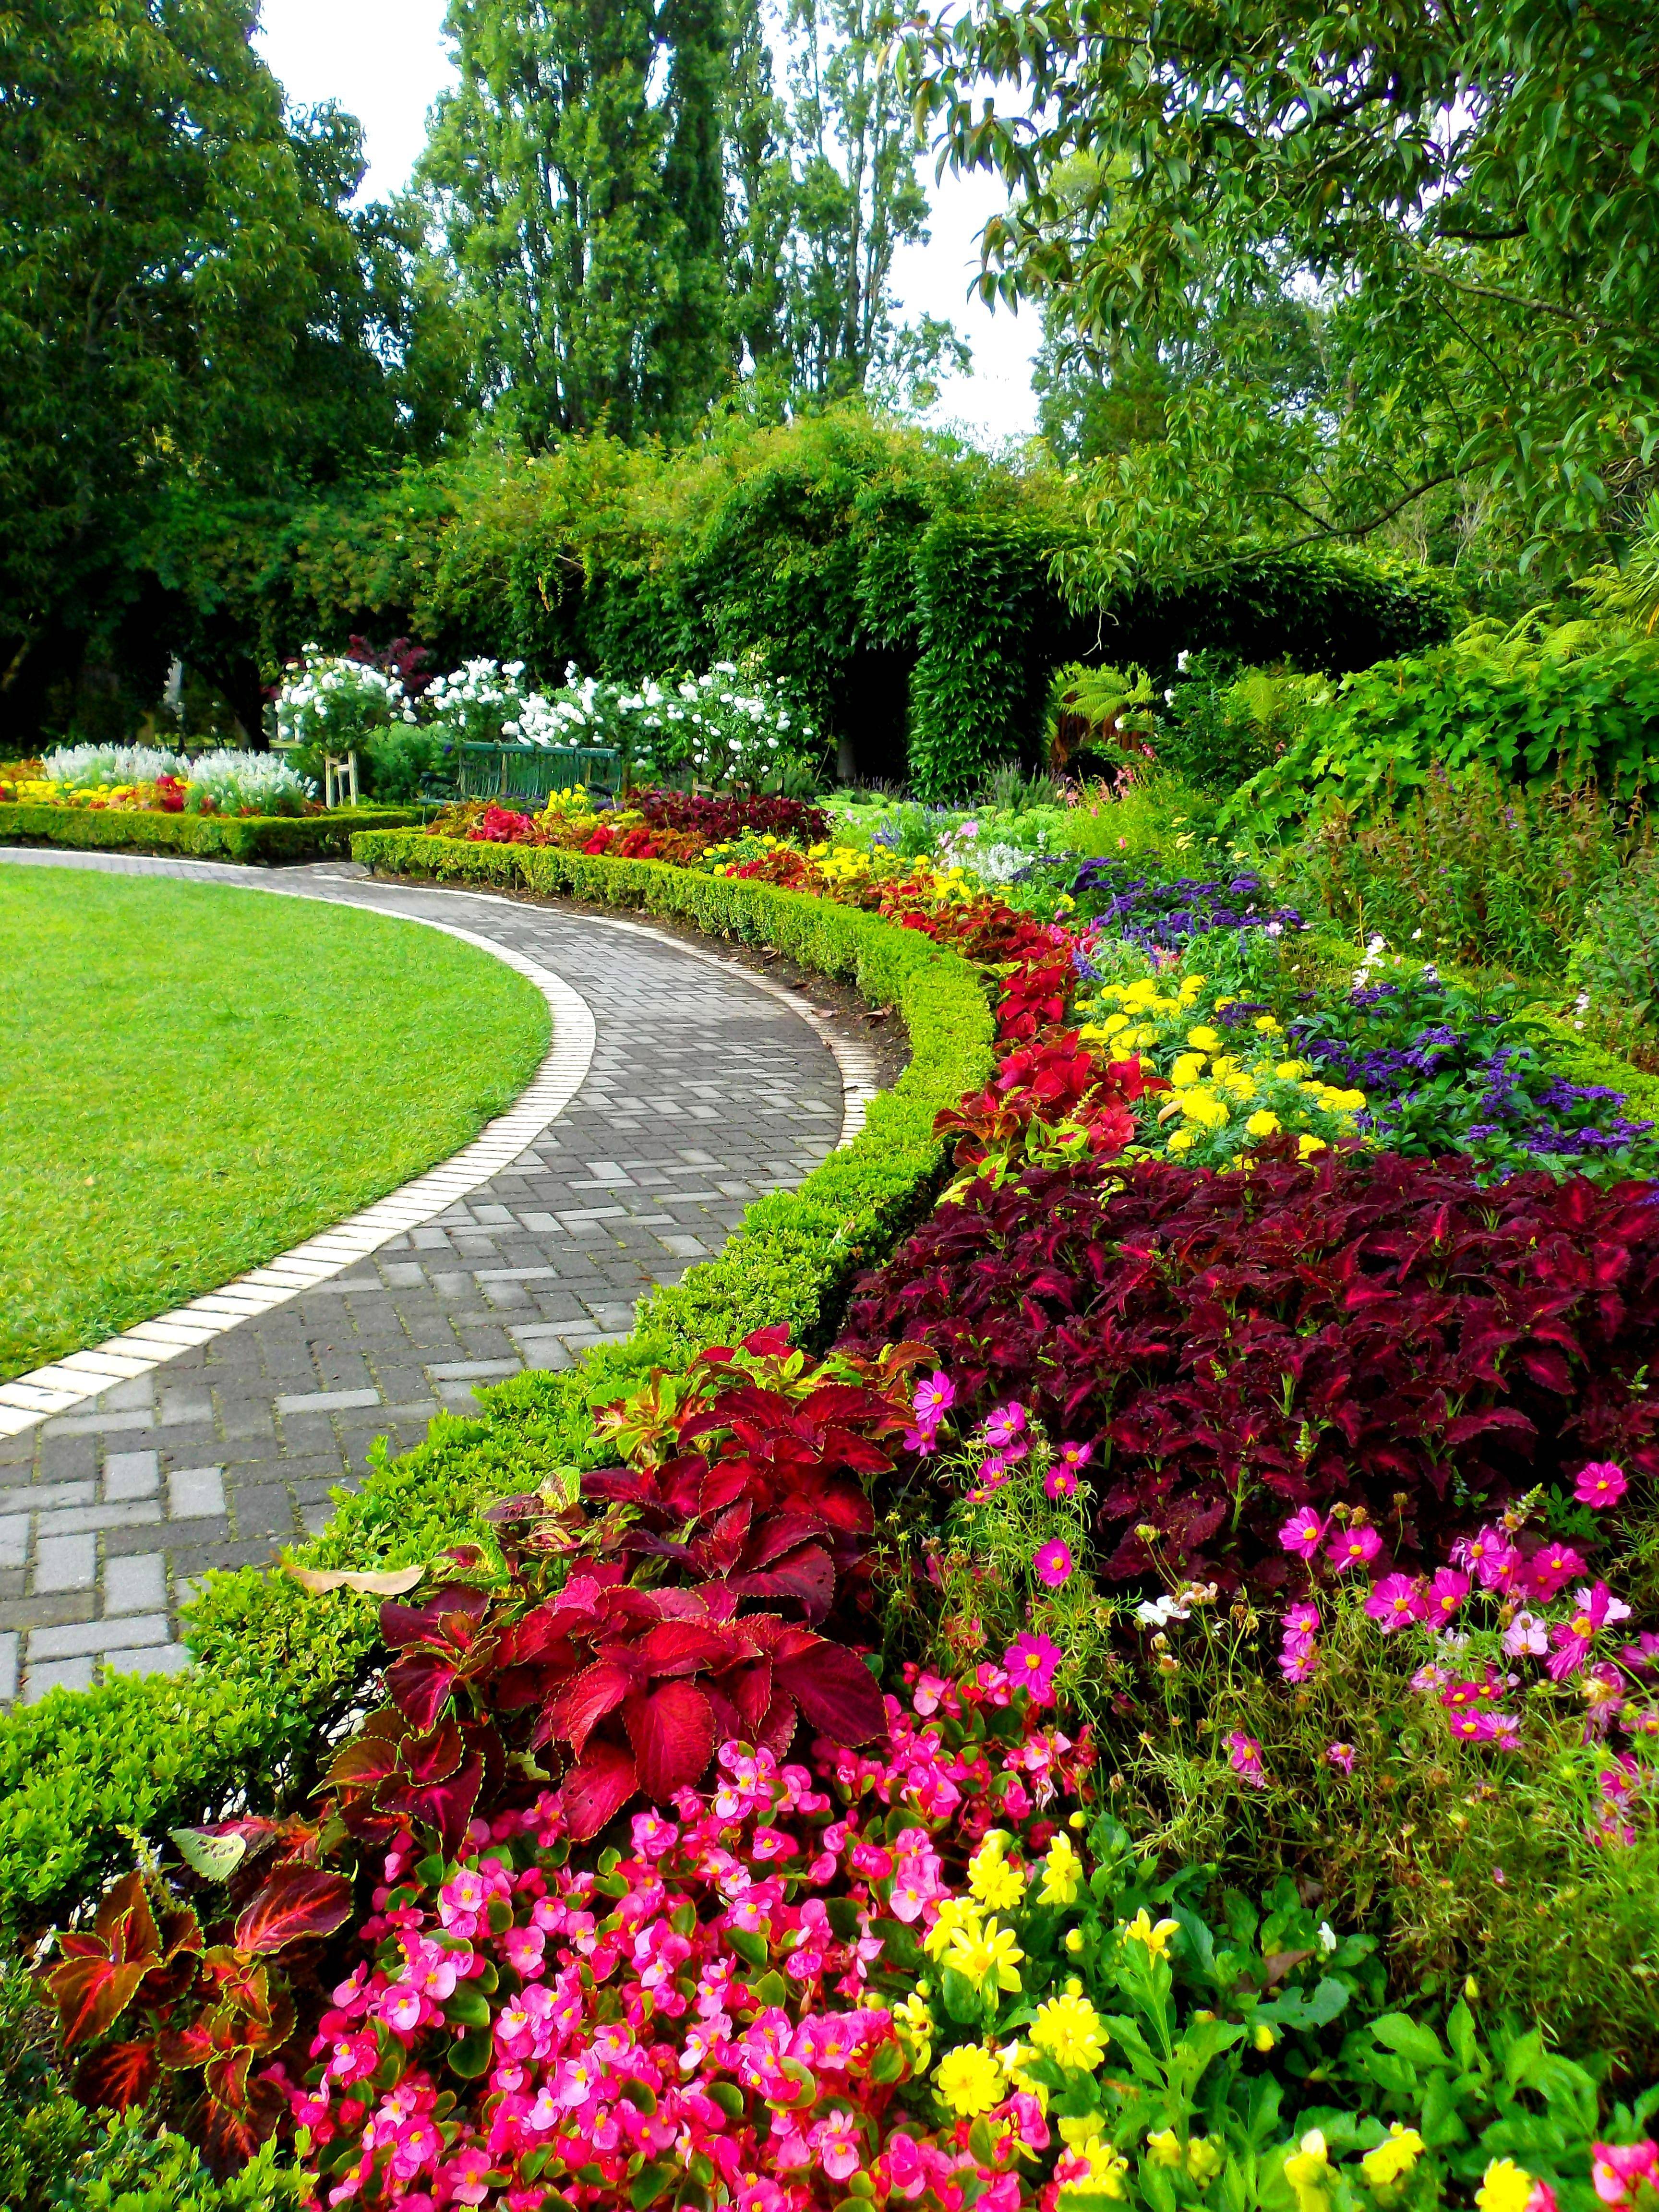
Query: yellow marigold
x,y
995,1883
989,1954
1203,1039
1267,1025
969,2080
1203,1106
1307,1147
1188,1067
1181,1140
1141,1931
1393,2157
1062,1873
1263,1124
1069,2029
1290,1071
1506,2187
954,1913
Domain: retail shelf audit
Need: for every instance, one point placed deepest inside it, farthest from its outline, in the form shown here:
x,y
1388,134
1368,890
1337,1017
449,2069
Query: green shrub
x,y
265,841
1614,963
277,1668
1469,869
1221,726
1529,705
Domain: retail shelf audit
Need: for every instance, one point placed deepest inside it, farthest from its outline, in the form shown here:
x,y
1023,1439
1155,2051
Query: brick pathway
x,y
706,1087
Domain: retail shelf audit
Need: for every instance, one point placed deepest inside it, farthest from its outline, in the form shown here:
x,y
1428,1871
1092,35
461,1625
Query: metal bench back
x,y
503,772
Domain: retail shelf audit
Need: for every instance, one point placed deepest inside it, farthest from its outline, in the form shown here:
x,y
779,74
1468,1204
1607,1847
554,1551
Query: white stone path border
x,y
44,1392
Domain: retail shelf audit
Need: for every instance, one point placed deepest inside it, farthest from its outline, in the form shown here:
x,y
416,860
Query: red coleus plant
x,y
1051,1091
1368,1330
619,1645
717,821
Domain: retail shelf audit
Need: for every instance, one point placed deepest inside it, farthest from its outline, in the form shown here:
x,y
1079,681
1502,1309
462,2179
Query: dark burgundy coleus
x,y
1368,1330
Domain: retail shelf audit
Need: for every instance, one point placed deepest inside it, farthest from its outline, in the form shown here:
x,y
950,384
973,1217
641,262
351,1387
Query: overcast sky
x,y
385,61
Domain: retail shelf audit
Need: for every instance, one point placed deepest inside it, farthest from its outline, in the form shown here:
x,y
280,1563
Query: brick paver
x,y
705,1090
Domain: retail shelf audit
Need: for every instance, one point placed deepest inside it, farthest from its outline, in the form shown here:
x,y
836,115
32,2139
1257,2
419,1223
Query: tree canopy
x,y
1464,187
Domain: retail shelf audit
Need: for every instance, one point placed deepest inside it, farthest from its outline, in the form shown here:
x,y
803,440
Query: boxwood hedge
x,y
258,839
81,1771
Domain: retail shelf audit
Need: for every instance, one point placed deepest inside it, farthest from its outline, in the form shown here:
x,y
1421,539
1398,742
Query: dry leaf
x,y
392,1584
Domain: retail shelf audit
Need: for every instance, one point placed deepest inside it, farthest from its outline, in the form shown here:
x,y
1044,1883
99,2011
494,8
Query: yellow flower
x,y
1188,1067
954,1913
1107,2169
995,1883
990,1954
1306,1147
1068,2028
914,2021
1393,2158
1263,1124
1507,2187
1349,1101
1267,1025
1307,2169
1203,2160
1204,1106
1165,2148
1264,2039
1203,1039
1157,1940
1074,1940
1181,1140
1062,1873
969,2080
1290,1071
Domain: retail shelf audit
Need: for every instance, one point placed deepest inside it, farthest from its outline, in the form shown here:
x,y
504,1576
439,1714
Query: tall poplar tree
x,y
577,178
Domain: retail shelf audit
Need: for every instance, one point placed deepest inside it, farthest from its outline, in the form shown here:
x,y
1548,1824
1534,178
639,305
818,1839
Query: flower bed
x,y
1207,1517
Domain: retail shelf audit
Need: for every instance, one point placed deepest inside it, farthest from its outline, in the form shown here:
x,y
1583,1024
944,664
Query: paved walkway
x,y
707,1086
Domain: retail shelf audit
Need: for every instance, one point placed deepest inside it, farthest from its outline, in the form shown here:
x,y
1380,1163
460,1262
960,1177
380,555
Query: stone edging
x,y
47,1392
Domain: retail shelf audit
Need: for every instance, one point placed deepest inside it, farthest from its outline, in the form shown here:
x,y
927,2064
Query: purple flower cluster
x,y
1163,917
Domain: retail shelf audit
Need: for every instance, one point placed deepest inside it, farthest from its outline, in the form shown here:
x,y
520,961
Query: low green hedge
x,y
276,1668
256,840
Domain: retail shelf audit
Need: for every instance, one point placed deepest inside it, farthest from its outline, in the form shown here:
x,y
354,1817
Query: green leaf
x,y
470,2056
1396,2031
466,2007
648,2185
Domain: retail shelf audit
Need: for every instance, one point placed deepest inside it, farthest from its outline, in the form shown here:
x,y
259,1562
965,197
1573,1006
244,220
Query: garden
x,y
1102,1651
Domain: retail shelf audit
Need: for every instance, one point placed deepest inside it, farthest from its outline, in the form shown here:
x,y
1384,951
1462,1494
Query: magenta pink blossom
x,y
1304,1533
1394,1602
1053,1563
1353,1548
1592,1610
1031,1659
1060,1482
1245,1753
1341,1756
1602,1483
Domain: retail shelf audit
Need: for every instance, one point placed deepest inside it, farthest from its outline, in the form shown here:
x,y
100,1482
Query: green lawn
x,y
193,1079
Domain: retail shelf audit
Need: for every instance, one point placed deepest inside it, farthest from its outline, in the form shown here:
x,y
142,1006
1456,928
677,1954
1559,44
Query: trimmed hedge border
x,y
255,840
277,1669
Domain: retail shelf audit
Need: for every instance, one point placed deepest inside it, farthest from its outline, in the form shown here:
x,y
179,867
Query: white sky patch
x,y
385,61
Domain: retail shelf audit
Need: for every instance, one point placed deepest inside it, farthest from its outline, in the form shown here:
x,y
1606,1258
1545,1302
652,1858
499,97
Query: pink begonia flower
x,y
1060,1482
1527,1636
1304,1533
1594,1609
1031,1659
1395,1601
1353,1548
1053,1563
1340,1755
933,1399
1616,2168
1446,1594
1004,1424
835,2139
1245,1752
1601,1484
930,1692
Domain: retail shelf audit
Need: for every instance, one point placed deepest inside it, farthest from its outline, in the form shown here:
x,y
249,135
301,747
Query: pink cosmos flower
x,y
1353,1548
1245,1752
1471,1727
1004,1424
932,1399
1301,1620
1642,1657
1340,1755
1053,1563
1032,1659
1075,1455
1550,1570
1601,1484
1393,1602
1060,1481
1527,1635
1594,1609
1304,1533
1446,1594
1298,1659
1490,1554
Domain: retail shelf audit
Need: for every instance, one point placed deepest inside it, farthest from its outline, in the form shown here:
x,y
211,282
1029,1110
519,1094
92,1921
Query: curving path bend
x,y
679,1088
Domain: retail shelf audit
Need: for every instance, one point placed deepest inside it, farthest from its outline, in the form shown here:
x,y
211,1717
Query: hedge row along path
x,y
704,1086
